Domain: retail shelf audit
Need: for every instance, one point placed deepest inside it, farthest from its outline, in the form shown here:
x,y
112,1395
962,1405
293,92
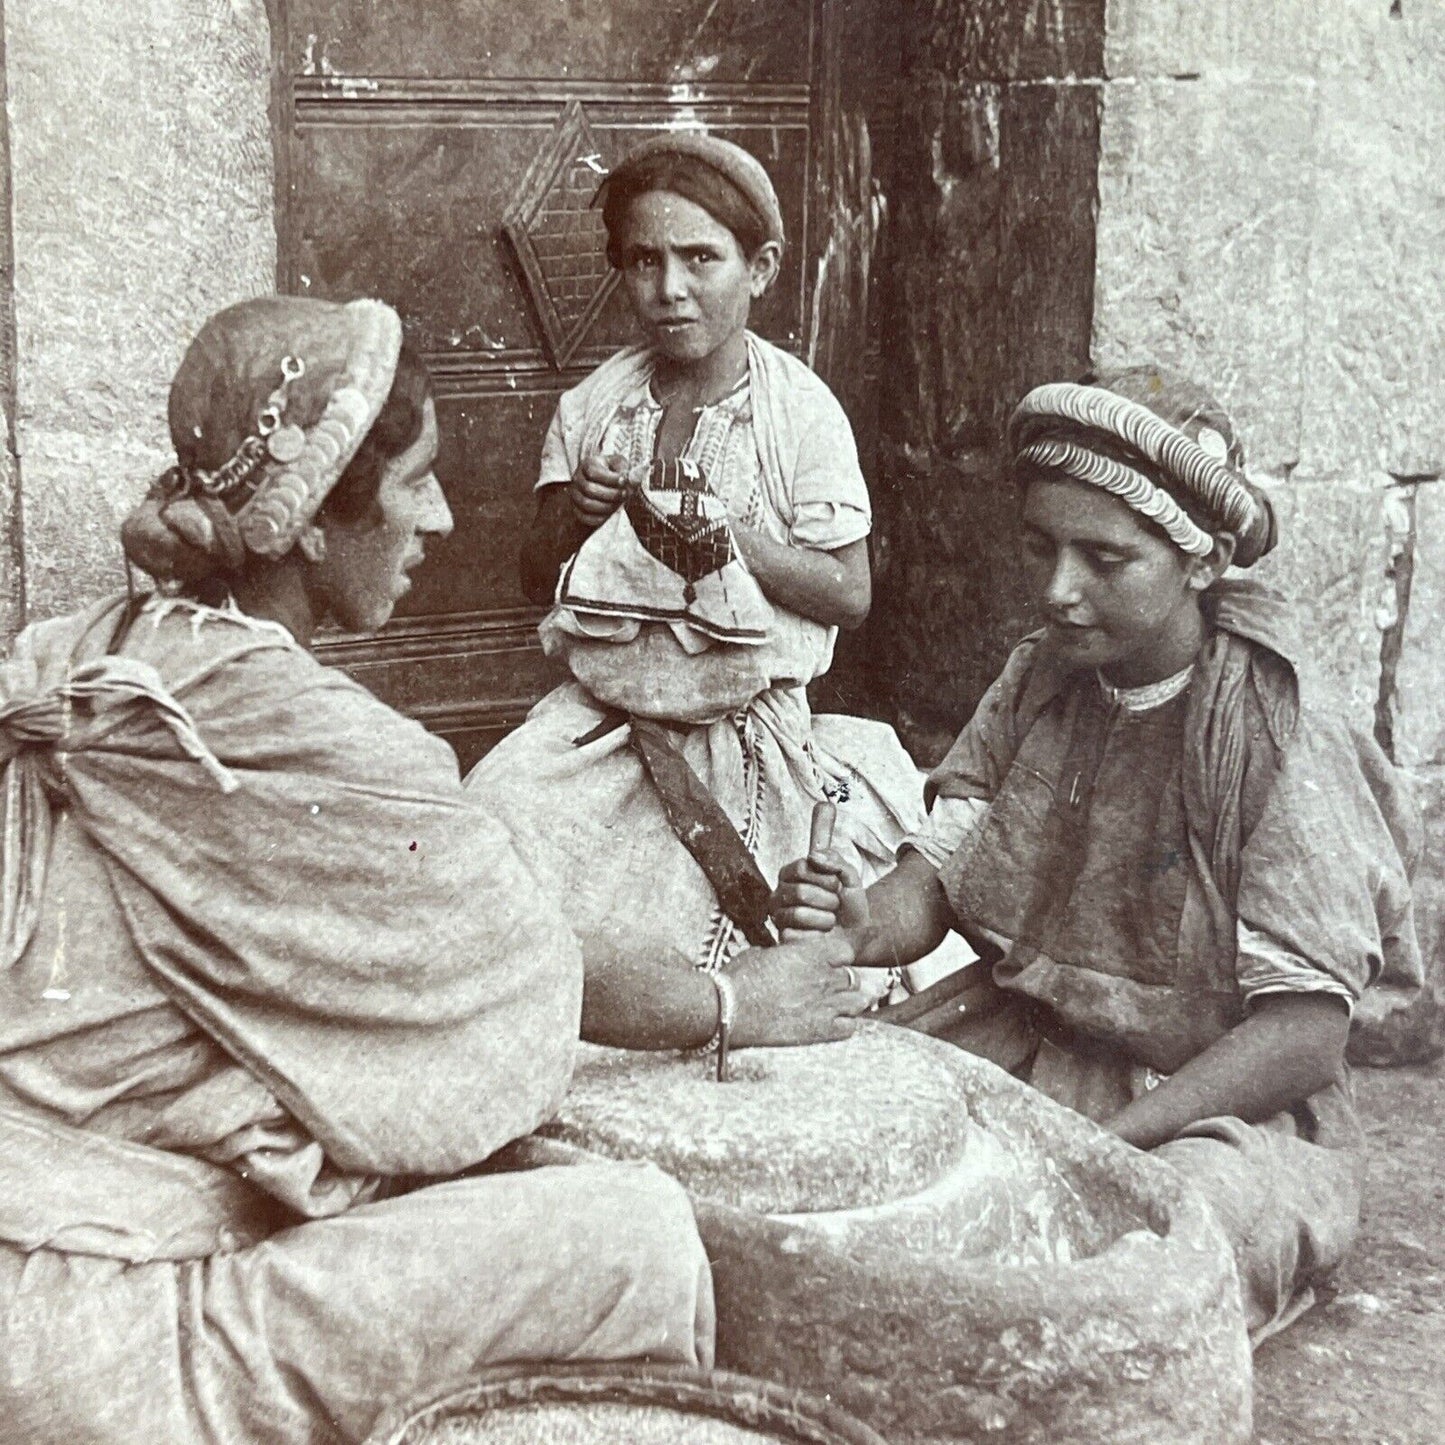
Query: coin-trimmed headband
x,y
286,502
1153,466
271,402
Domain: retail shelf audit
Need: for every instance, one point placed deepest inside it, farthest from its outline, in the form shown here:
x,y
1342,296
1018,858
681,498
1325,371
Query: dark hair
x,y
694,181
396,428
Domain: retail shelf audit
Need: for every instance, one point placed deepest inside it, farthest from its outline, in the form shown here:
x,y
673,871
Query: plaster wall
x,y
143,200
1272,222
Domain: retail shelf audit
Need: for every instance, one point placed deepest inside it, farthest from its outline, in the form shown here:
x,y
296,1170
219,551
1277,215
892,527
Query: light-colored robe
x,y
268,969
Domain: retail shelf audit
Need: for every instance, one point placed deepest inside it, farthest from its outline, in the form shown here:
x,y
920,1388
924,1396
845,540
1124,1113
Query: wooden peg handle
x,y
820,835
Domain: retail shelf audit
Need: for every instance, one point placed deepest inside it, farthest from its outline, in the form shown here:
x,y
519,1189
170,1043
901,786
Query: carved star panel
x,y
558,237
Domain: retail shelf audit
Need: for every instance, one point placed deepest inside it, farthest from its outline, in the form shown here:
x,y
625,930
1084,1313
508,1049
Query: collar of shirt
x,y
1151,695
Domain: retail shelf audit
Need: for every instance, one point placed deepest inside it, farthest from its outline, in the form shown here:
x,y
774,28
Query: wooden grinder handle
x,y
820,835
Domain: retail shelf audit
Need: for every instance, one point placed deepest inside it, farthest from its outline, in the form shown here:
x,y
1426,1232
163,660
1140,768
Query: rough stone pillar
x,y
142,200
990,276
12,559
1272,222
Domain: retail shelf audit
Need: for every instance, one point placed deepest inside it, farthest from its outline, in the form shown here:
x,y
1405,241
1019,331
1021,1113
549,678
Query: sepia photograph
x,y
722,722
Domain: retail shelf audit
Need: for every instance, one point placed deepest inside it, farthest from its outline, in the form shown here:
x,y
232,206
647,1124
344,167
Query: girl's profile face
x,y
1117,595
367,564
690,285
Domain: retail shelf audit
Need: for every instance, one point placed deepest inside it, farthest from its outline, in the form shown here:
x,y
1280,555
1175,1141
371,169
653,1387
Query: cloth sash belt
x,y
700,825
71,1190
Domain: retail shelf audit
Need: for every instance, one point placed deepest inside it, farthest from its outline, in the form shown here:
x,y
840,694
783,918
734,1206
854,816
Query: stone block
x,y
1428,787
1385,1033
78,489
1332,562
1374,370
12,554
1205,223
1150,39
1046,1282
1419,702
143,200
1379,41
1272,39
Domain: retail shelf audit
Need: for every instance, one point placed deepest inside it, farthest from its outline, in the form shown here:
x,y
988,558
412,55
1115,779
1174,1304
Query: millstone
x,y
794,1131
621,1404
907,1230
585,1424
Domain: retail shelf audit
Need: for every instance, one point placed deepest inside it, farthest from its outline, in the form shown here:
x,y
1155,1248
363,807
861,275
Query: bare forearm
x,y
1290,1047
908,916
553,537
789,994
829,587
648,1005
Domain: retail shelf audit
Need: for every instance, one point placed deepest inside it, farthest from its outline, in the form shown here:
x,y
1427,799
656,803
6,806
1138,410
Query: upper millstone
x,y
868,1121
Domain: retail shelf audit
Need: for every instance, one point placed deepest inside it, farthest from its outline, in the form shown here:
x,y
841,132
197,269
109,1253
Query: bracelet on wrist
x,y
727,1012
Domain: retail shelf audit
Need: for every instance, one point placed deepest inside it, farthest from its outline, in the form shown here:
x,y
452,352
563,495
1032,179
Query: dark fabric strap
x,y
700,825
707,833
968,1009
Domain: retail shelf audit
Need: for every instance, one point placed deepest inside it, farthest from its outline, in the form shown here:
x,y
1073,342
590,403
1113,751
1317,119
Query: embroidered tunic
x,y
780,453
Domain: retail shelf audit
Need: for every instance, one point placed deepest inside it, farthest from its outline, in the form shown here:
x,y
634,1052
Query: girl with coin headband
x,y
1183,871
701,532
270,980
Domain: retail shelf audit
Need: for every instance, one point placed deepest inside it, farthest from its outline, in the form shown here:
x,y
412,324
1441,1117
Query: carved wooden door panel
x,y
443,156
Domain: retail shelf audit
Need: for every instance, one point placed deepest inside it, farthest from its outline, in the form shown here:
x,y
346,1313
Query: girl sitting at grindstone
x,y
269,979
701,525
1183,871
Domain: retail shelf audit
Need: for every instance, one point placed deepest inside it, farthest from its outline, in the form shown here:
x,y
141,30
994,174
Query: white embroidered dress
x,y
780,453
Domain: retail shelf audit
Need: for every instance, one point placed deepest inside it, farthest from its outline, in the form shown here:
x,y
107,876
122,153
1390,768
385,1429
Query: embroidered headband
x,y
1051,426
740,168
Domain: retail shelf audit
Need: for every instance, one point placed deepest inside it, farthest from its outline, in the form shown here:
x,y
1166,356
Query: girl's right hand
x,y
796,993
817,894
597,489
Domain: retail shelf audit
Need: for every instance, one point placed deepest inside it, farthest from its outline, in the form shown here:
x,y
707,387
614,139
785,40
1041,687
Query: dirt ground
x,y
1367,1365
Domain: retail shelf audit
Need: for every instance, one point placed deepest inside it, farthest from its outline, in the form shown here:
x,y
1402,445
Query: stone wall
x,y
142,200
12,569
1272,222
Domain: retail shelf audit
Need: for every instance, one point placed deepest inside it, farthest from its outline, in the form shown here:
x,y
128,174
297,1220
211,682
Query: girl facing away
x,y
270,981
701,529
1182,872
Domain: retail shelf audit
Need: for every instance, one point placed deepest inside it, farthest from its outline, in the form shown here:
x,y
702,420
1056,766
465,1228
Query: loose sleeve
x,y
975,765
1264,966
1322,879
830,505
951,822
555,469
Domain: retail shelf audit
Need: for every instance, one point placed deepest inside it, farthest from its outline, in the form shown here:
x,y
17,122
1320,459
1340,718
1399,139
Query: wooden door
x,y
442,156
